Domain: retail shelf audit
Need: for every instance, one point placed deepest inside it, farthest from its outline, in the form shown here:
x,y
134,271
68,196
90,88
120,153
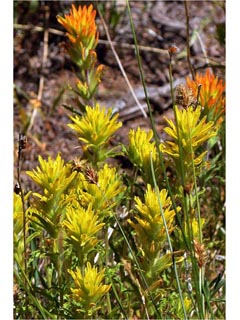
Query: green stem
x,y
168,238
132,188
176,119
185,206
195,270
138,266
88,80
118,299
60,266
185,214
31,293
21,146
201,270
109,307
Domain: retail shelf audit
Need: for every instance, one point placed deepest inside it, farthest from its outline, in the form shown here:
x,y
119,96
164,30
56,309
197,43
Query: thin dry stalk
x,y
44,61
188,40
121,67
101,41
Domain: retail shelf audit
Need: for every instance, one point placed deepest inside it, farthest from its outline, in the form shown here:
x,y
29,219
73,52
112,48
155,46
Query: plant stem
x,y
190,245
176,119
201,270
171,81
188,40
117,298
198,95
21,146
132,188
109,308
168,238
138,266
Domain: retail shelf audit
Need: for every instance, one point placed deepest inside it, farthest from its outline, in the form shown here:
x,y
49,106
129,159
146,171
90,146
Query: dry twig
x,y
44,61
121,67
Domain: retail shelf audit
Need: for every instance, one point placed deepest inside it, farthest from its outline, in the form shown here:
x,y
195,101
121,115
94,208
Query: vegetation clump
x,y
97,242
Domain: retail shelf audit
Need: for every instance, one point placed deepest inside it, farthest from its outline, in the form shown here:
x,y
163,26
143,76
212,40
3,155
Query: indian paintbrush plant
x,y
82,33
95,242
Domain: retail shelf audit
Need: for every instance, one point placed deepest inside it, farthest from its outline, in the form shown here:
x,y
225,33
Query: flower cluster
x,y
81,227
212,95
83,36
80,25
95,129
55,178
188,134
104,193
150,228
140,150
88,287
52,175
76,223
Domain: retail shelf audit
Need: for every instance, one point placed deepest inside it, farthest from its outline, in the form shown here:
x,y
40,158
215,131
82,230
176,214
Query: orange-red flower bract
x,y
212,94
80,25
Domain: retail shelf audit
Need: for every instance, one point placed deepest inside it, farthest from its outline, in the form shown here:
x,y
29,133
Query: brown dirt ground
x,y
158,24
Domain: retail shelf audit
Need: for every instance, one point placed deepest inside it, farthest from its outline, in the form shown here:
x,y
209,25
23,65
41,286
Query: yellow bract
x,y
150,228
104,194
189,134
82,227
88,286
55,179
52,175
191,130
140,150
96,127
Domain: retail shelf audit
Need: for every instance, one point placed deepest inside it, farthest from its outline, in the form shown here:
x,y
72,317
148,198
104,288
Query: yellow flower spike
x,y
195,227
110,182
150,230
81,26
52,175
81,228
139,141
192,132
104,194
96,128
55,179
212,95
89,287
140,150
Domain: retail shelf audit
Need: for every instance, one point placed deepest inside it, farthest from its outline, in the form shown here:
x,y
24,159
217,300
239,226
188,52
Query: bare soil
x,y
39,73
